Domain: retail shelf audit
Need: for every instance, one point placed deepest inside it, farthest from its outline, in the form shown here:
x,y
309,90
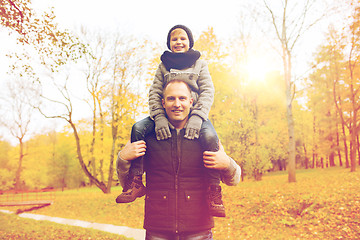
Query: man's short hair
x,y
177,80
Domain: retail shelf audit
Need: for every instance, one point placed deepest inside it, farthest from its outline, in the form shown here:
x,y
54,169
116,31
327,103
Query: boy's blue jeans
x,y
208,139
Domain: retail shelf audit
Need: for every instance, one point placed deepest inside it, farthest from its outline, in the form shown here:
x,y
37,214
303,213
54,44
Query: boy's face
x,y
179,41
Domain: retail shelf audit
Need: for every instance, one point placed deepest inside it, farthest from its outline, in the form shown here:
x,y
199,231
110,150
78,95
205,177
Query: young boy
x,y
181,63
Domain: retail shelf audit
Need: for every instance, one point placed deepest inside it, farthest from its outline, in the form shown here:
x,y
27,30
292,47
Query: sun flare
x,y
256,68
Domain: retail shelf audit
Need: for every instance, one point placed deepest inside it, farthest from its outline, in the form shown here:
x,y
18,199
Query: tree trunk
x,y
338,146
347,164
279,162
353,150
289,114
102,124
358,147
332,159
18,184
353,137
314,155
92,162
353,127
92,146
306,157
337,100
115,115
112,153
99,184
111,168
257,175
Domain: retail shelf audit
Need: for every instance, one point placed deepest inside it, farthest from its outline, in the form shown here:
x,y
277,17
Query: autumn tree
x,y
6,176
290,20
50,161
16,15
21,95
304,133
242,113
353,81
64,108
337,63
63,170
39,31
23,69
40,150
127,70
57,49
112,77
96,67
324,96
19,18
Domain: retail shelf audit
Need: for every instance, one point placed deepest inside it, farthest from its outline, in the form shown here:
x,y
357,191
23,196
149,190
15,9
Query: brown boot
x,y
215,202
133,189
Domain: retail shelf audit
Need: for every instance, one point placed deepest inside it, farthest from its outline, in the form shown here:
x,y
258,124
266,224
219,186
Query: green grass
x,y
14,227
322,204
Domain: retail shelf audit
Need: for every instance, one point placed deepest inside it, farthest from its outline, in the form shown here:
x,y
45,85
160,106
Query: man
x,y
175,203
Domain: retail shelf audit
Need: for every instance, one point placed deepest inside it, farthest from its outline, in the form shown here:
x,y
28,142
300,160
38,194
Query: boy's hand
x,y
193,127
162,129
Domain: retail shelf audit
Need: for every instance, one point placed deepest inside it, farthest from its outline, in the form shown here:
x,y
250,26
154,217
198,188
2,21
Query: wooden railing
x,y
41,197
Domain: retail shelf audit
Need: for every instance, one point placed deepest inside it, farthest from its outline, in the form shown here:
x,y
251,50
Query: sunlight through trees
x,y
267,116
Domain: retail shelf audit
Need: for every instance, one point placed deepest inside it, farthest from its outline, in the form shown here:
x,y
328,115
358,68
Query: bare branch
x,y
53,117
273,19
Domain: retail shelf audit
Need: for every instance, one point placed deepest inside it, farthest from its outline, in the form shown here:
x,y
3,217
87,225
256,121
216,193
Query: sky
x,y
152,18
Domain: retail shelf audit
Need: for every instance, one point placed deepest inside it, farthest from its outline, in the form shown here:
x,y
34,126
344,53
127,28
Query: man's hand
x,y
133,150
216,160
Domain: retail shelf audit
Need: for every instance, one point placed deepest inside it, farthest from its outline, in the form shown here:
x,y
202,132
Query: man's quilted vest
x,y
175,185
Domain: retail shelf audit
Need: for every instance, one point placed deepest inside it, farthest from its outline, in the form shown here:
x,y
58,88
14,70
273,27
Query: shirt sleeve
x,y
231,175
122,169
206,93
155,94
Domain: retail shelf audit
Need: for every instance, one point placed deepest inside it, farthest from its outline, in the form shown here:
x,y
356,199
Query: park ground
x,y
321,204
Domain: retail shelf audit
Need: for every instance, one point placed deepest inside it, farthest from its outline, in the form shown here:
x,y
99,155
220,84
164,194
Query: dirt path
x,y
137,234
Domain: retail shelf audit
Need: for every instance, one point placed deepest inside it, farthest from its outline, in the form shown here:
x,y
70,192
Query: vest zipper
x,y
176,204
178,141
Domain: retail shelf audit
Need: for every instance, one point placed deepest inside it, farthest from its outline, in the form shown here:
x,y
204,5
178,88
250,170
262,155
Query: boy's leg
x,y
208,137
138,132
210,142
134,187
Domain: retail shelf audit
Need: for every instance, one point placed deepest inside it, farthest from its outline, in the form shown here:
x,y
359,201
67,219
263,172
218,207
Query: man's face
x,y
179,41
177,102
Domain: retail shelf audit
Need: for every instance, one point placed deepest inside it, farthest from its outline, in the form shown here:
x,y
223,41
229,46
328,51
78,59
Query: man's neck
x,y
178,125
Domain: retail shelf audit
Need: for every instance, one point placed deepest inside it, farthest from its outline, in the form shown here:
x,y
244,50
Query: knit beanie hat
x,y
188,32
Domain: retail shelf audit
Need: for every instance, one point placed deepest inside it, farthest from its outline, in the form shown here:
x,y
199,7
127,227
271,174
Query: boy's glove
x,y
162,129
193,127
